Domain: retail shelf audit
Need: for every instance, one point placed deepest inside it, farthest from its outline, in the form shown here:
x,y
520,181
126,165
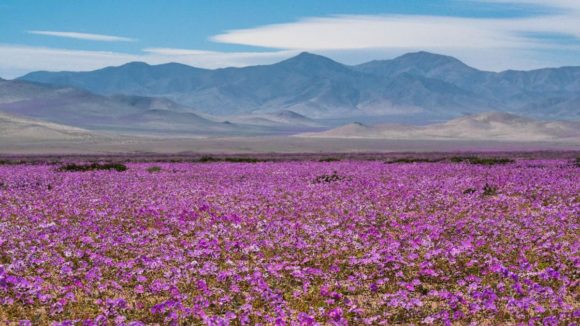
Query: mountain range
x,y
416,84
437,96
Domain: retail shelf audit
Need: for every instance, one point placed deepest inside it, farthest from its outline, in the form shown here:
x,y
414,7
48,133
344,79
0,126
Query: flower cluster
x,y
230,243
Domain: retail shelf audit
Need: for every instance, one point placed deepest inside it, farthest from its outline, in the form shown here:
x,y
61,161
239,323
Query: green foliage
x,y
329,159
73,167
208,158
414,160
154,169
241,160
481,160
469,191
489,190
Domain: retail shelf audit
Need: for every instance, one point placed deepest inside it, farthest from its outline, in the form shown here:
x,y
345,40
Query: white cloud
x,y
396,31
559,4
361,32
176,52
84,36
215,59
17,60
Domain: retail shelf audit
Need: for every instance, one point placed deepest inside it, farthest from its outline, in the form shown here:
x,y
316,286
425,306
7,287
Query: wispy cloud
x,y
176,52
363,32
561,4
397,31
16,60
216,59
84,36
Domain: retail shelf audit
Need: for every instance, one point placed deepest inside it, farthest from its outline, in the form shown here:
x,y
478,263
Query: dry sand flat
x,y
266,145
486,132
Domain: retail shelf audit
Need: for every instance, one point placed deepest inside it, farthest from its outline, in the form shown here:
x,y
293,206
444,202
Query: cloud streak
x,y
17,60
215,59
397,31
385,31
84,36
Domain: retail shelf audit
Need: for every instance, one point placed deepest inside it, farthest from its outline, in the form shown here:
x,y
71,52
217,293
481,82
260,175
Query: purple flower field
x,y
291,243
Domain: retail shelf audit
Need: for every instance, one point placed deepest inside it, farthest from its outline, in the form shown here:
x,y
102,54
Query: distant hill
x,y
317,87
484,126
120,114
19,129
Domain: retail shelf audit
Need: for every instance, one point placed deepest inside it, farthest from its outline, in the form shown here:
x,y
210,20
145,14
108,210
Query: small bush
x,y
469,191
577,162
13,162
480,160
329,159
73,167
489,190
154,169
327,178
413,160
490,161
458,159
242,160
207,158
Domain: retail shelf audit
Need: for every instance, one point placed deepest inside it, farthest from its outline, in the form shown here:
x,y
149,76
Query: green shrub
x,y
413,160
154,169
207,158
73,167
489,190
329,159
469,191
481,160
242,160
490,161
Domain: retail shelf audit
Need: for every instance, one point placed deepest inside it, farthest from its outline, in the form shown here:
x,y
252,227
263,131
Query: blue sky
x,y
89,34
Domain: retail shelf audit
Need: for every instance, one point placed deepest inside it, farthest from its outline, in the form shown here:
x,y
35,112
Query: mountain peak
x,y
307,60
308,56
135,64
423,64
130,66
428,59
